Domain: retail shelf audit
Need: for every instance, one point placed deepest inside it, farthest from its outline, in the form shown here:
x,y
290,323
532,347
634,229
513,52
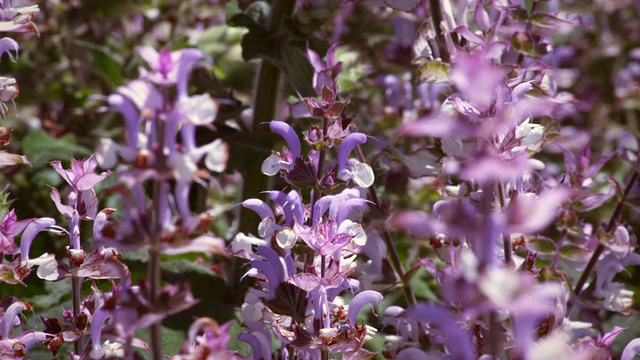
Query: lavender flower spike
x,y
285,161
7,45
462,348
288,133
360,300
348,144
10,315
30,233
360,173
81,176
131,118
630,351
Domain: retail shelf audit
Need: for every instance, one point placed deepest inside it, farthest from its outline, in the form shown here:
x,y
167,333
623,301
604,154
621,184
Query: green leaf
x,y
544,246
259,12
216,40
8,275
574,253
56,292
255,15
105,63
522,42
172,341
297,69
140,255
420,286
413,272
40,148
420,163
434,72
231,9
258,44
183,266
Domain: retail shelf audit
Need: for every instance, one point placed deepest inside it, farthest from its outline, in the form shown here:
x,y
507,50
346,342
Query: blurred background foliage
x,y
86,49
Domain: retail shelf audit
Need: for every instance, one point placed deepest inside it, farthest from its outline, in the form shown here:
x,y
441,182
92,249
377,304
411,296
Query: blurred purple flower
x,y
81,176
169,67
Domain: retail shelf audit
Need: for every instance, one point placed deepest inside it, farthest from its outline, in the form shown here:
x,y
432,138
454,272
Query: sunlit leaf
x,y
434,72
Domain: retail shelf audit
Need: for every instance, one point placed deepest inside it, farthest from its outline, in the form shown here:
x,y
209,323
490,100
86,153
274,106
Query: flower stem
x,y
266,99
76,296
155,334
324,354
494,335
317,192
600,248
436,17
506,237
391,248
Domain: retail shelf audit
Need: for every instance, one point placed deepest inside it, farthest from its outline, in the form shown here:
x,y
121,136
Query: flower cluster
x,y
305,253
445,180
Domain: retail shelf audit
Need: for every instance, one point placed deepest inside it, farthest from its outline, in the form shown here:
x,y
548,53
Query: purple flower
x,y
7,45
361,299
459,342
10,227
33,228
81,176
15,347
310,280
631,350
358,172
8,159
323,237
207,339
324,73
18,19
285,161
169,67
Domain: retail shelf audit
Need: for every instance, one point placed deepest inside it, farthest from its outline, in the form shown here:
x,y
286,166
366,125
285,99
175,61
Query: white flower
x,y
360,173
107,350
198,109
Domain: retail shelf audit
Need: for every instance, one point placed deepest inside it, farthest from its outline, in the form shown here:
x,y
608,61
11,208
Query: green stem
x,y
154,274
388,240
76,296
494,335
266,99
506,237
155,333
600,248
317,191
436,17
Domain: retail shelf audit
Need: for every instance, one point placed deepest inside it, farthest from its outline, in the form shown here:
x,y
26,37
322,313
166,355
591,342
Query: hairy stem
x,y
612,222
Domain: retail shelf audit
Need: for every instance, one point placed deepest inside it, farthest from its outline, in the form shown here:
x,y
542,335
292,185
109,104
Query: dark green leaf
x,y
541,245
105,63
41,148
574,253
231,9
522,42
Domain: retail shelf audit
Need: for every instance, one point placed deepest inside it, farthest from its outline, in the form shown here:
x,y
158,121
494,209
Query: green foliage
x,y
106,64
285,50
41,148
